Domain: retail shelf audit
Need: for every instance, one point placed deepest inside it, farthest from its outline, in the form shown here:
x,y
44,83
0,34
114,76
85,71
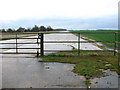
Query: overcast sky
x,y
70,14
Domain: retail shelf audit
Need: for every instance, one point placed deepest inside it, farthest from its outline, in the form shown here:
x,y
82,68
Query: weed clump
x,y
89,69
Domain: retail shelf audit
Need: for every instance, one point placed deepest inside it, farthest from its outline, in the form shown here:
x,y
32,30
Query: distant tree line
x,y
34,29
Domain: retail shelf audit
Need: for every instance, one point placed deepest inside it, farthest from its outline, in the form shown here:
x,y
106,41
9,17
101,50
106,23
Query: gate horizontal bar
x,y
76,41
73,50
16,53
20,43
63,32
47,51
22,38
20,48
64,42
117,42
27,38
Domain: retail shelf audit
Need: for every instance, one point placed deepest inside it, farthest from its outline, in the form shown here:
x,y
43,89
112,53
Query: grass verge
x,y
88,64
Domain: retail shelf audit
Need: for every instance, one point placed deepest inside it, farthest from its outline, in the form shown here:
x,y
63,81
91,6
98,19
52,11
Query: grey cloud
x,y
68,23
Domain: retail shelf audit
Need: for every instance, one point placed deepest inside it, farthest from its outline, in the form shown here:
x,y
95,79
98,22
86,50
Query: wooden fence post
x,y
42,44
37,40
16,44
38,46
78,44
115,46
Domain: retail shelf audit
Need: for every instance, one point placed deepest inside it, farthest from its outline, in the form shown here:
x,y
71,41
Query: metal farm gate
x,y
40,42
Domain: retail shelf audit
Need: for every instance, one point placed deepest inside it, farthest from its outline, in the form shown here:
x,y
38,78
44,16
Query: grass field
x,y
99,36
88,64
6,36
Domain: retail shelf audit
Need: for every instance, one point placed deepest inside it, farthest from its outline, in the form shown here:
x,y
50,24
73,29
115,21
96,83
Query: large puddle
x,y
28,72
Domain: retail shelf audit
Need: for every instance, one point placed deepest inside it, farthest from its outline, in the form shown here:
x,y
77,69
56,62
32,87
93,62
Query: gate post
x,y
78,44
115,46
16,44
42,45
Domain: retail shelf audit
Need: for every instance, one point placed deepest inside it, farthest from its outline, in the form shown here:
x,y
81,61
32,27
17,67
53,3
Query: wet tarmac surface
x,y
28,72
